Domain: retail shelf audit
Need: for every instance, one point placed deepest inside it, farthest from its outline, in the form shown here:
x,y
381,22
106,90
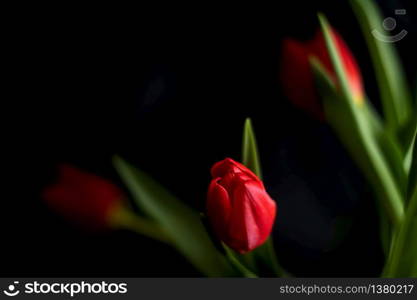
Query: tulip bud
x,y
239,209
297,76
84,198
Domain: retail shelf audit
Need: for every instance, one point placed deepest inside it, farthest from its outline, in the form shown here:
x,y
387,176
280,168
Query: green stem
x,y
394,260
384,183
237,263
279,271
124,218
249,260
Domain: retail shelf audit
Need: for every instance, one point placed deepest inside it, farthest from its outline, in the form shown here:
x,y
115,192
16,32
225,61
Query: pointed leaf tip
x,y
250,156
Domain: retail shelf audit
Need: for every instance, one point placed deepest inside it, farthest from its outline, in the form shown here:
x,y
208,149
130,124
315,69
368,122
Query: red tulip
x,y
83,198
238,207
297,76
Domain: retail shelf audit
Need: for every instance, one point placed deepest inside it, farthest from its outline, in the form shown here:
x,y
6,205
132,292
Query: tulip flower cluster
x,y
320,76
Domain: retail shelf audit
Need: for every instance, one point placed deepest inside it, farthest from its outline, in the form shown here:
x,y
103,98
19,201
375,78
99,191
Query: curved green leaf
x,y
339,116
389,147
182,224
124,218
412,177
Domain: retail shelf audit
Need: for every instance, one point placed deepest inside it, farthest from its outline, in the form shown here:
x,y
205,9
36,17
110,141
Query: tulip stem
x,y
124,218
267,258
393,264
234,259
273,259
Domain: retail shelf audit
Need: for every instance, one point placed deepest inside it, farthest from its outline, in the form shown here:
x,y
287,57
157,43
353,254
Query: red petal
x,y
252,217
218,208
297,77
227,165
83,197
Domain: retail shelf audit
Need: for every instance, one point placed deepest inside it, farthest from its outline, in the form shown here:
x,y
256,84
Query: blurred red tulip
x,y
240,210
83,198
297,76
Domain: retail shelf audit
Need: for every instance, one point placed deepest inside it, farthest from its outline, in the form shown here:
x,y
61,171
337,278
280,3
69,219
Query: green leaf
x,y
124,218
350,120
406,135
409,257
181,223
385,231
394,91
359,130
414,270
339,117
412,177
389,146
250,155
336,61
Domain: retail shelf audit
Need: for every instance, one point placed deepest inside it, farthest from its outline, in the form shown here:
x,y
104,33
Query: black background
x,y
169,87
